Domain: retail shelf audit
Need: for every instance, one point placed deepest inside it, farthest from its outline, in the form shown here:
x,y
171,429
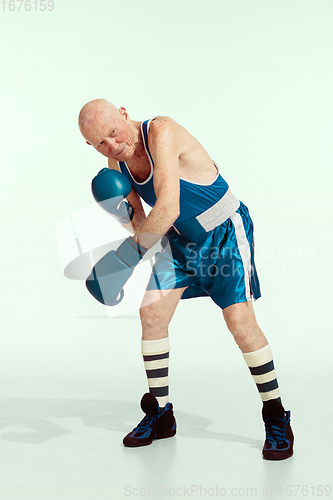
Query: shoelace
x,y
275,429
147,421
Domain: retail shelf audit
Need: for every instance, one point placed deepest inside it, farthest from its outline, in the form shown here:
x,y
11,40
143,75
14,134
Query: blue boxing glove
x,y
109,188
112,271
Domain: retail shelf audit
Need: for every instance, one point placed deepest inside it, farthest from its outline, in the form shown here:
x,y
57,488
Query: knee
x,y
150,317
241,325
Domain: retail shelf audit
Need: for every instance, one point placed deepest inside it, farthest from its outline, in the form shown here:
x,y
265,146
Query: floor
x,y
66,409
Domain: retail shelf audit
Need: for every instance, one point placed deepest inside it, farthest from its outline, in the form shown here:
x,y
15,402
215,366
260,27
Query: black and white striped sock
x,y
261,366
156,360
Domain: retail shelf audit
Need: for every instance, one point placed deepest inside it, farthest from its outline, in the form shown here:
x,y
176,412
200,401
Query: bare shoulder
x,y
165,131
162,124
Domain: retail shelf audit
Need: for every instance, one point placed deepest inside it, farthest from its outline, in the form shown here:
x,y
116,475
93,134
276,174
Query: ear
x,y
124,113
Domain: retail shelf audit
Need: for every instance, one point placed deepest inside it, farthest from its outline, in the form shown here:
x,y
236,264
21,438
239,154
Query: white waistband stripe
x,y
220,212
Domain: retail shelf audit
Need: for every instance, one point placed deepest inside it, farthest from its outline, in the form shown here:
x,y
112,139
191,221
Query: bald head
x,y
108,129
94,112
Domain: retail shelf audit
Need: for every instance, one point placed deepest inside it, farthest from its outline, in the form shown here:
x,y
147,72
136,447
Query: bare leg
x,y
241,322
156,312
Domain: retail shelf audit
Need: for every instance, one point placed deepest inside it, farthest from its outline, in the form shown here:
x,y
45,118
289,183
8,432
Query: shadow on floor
x,y
34,419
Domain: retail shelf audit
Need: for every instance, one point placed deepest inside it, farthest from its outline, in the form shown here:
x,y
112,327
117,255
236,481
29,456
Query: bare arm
x,y
165,149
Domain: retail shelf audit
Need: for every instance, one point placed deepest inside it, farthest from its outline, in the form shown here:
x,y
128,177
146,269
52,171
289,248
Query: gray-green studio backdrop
x,y
253,81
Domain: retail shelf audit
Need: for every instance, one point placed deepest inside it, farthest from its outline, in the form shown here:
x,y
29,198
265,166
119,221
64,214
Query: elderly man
x,y
208,251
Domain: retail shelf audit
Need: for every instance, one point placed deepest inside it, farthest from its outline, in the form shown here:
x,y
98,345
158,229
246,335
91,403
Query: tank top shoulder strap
x,y
145,131
144,189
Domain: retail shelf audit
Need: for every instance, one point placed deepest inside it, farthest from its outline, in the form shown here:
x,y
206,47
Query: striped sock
x,y
261,366
156,360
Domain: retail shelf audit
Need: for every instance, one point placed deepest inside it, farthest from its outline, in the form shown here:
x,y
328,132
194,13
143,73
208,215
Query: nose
x,y
111,142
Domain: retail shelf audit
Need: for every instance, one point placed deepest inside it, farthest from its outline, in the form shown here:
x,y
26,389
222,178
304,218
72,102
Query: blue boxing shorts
x,y
218,263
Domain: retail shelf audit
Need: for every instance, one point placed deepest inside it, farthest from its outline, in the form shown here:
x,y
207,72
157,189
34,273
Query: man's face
x,y
111,135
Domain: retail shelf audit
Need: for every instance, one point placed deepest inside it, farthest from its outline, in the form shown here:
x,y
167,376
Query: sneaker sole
x,y
168,435
275,455
138,444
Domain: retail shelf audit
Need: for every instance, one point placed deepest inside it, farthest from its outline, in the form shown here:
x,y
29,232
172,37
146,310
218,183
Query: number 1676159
x,y
34,5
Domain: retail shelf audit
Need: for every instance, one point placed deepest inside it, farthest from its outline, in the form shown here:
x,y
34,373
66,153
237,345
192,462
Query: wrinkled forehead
x,y
97,123
98,107
97,116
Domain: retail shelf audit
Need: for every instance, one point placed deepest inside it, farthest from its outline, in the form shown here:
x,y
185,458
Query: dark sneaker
x,y
157,424
279,436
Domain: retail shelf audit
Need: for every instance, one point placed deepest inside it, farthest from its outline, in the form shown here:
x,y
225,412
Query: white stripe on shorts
x,y
244,250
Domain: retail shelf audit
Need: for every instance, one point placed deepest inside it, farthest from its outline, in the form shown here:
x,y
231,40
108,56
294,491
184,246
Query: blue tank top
x,y
194,198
